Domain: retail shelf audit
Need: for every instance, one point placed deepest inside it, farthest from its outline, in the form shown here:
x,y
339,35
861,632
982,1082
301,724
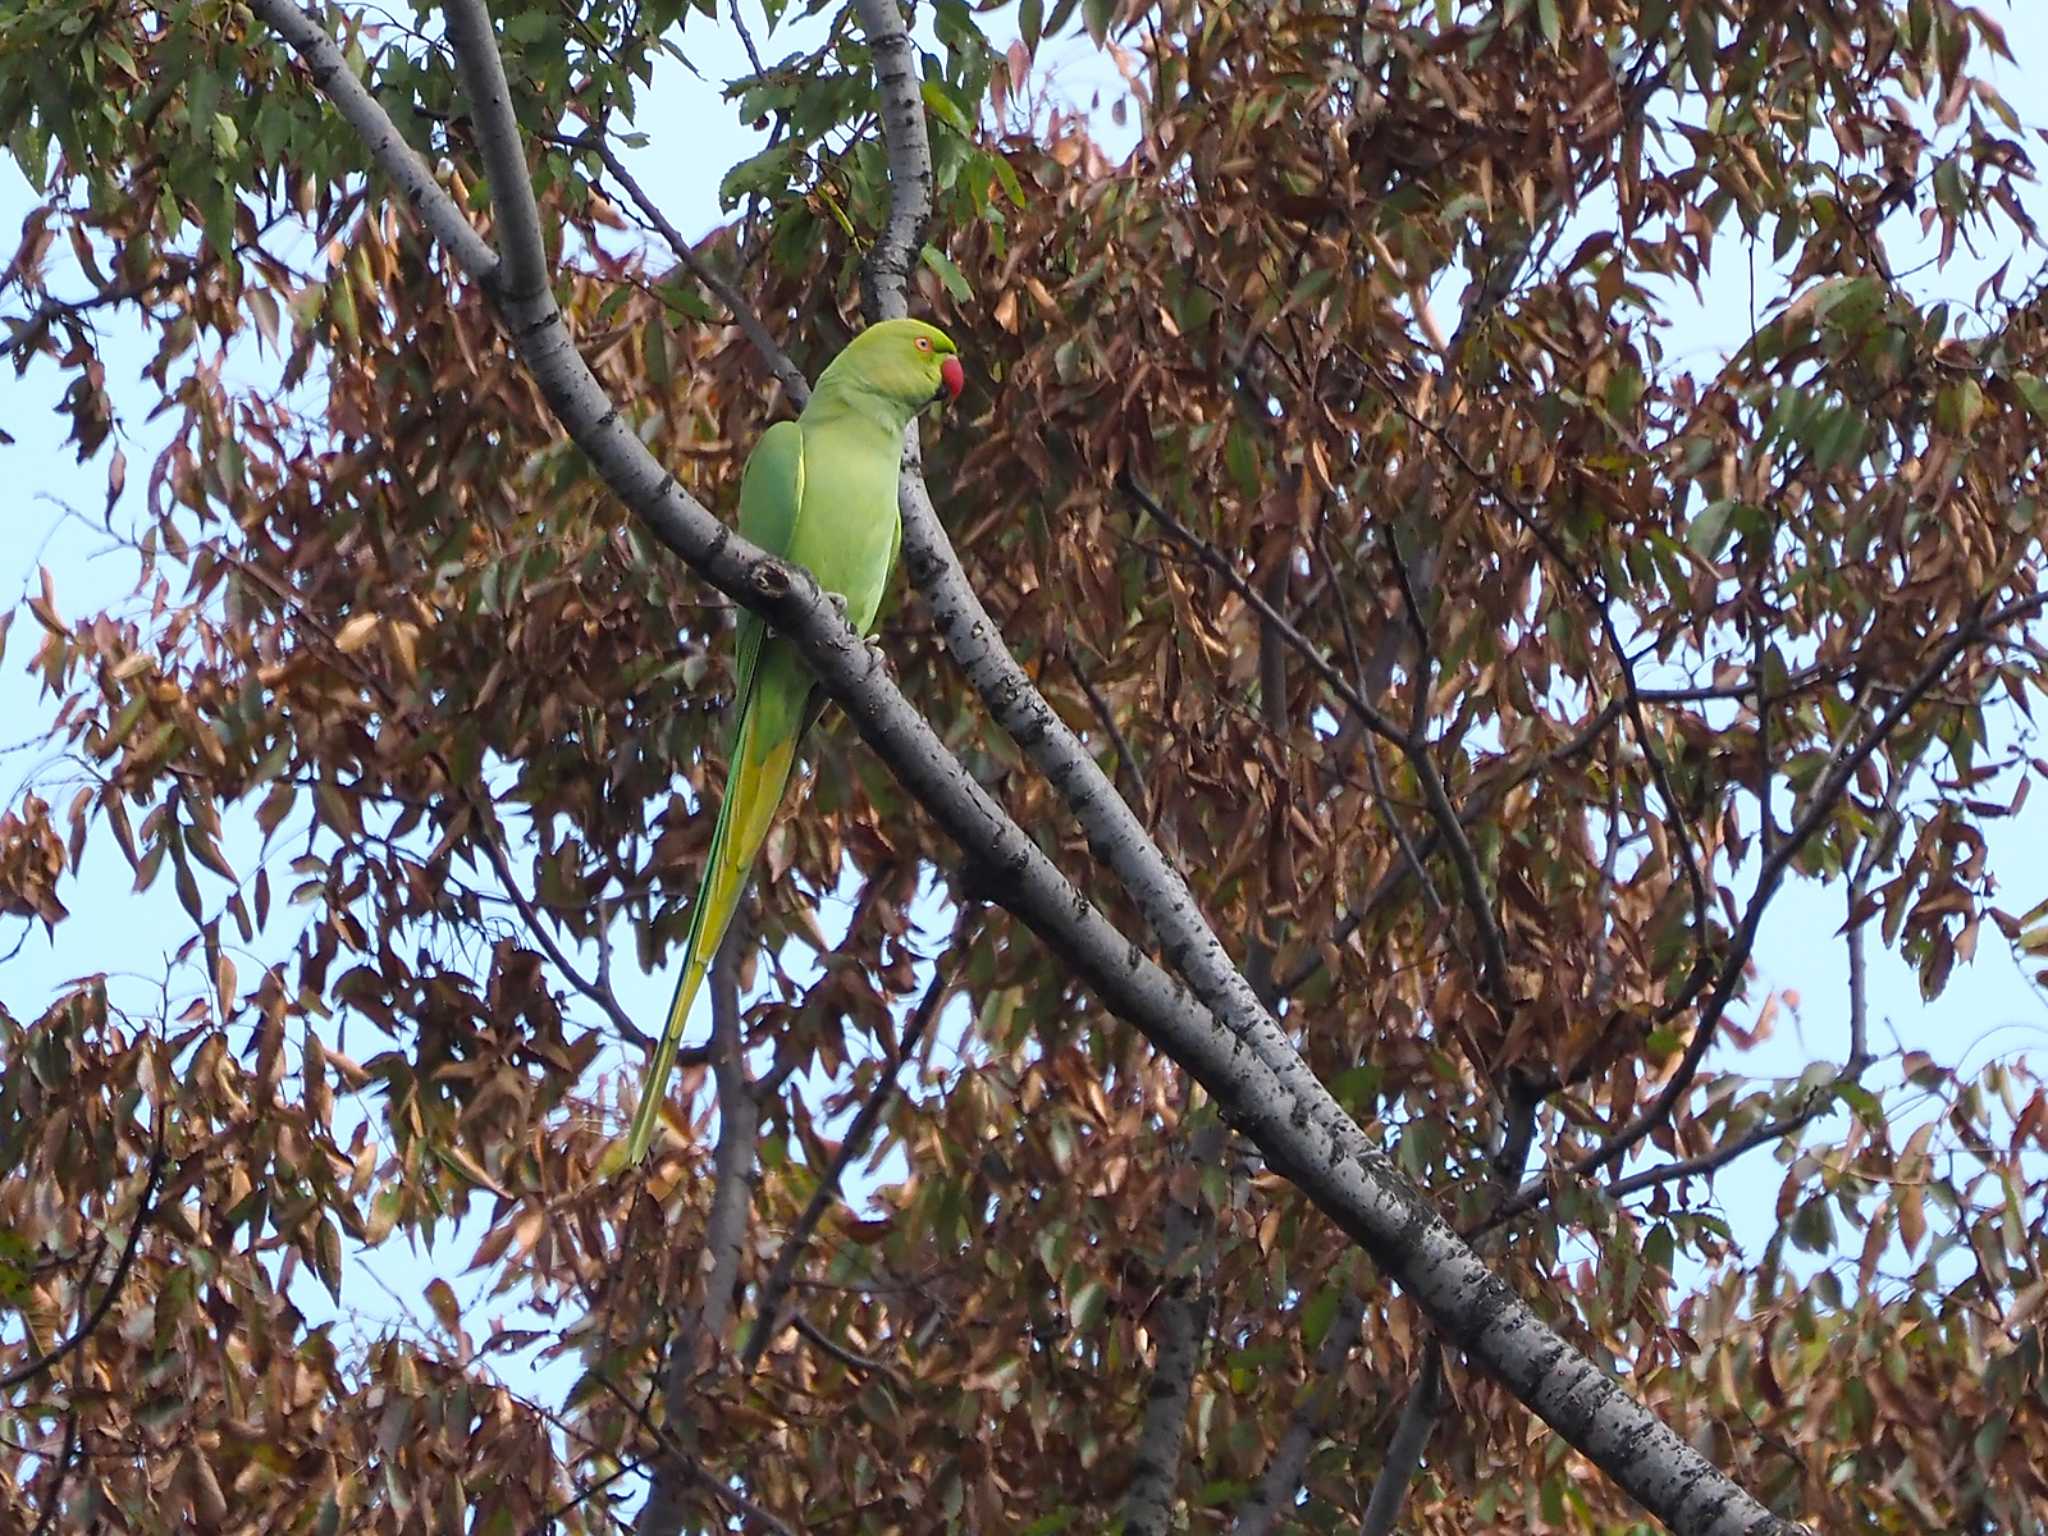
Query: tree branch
x,y
826,1195
1404,1451
1126,760
598,991
1279,1484
975,641
60,1470
885,275
694,1350
1237,1052
1442,813
1179,1321
145,1208
846,1357
791,377
1979,628
386,146
523,276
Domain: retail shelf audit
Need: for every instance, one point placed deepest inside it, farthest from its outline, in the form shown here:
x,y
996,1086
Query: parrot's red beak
x,y
952,379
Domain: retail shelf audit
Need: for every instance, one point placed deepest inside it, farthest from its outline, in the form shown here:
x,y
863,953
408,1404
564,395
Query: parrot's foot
x,y
838,602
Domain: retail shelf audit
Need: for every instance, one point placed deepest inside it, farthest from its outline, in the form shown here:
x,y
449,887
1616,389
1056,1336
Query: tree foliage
x,y
1487,682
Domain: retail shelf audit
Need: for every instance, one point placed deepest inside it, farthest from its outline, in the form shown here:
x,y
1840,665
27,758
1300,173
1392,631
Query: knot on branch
x,y
773,580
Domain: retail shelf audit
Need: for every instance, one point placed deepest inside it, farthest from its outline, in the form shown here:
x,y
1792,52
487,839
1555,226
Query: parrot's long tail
x,y
760,774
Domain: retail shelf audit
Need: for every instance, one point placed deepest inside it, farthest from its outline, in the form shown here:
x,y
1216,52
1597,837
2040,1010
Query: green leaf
x,y
1958,407
655,339
447,1310
939,102
1090,1302
1709,531
950,275
2034,392
1317,1316
16,1260
1006,175
1097,15
765,175
1241,454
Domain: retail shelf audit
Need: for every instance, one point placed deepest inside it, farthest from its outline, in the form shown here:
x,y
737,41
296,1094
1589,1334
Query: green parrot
x,y
819,492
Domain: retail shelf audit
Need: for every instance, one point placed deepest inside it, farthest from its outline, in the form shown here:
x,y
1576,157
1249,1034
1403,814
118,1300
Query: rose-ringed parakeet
x,y
819,492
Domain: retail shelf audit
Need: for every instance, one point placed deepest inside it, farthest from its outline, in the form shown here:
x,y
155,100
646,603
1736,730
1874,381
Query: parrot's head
x,y
907,362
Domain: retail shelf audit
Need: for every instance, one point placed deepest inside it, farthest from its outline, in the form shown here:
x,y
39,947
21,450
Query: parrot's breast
x,y
847,530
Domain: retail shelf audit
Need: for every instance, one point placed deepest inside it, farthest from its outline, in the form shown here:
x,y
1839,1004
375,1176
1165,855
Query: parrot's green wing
x,y
771,494
771,692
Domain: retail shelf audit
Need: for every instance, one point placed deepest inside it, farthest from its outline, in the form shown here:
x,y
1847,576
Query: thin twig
x,y
598,990
719,1488
145,1209
1374,772
1442,813
1279,1484
1766,770
177,269
545,1525
747,40
1603,893
46,1522
791,377
1601,603
826,1195
1323,666
865,1364
1728,1151
1127,761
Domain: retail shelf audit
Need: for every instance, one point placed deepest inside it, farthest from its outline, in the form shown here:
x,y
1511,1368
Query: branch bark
x,y
1179,1320
1404,1451
694,1350
1230,1045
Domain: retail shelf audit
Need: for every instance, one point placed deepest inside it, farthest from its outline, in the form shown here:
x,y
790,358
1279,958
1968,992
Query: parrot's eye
x,y
924,343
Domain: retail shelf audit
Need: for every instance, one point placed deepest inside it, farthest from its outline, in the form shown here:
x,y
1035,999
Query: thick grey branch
x,y
523,278
1236,1051
885,275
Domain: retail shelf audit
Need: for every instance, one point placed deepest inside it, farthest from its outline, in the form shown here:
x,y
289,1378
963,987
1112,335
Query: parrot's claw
x,y
838,602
